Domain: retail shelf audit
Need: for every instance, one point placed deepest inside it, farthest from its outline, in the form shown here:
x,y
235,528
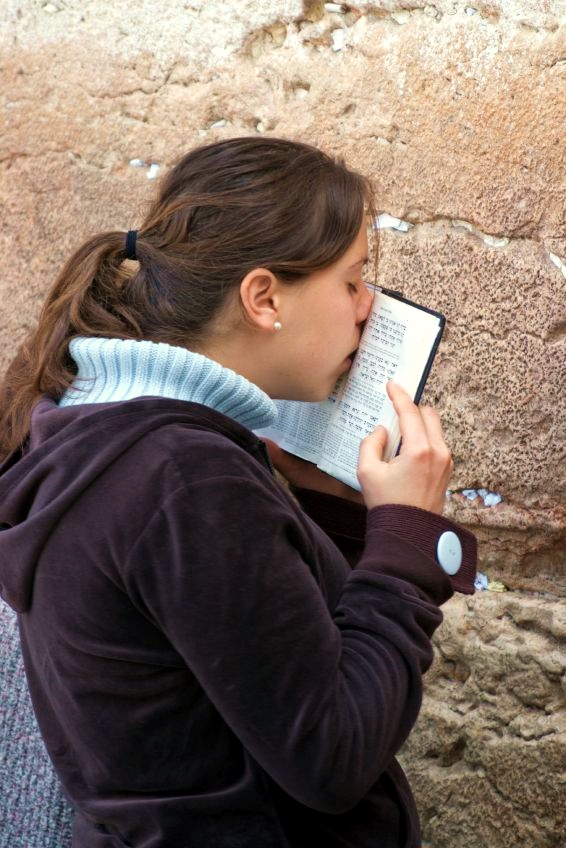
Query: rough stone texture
x,y
487,760
499,382
457,110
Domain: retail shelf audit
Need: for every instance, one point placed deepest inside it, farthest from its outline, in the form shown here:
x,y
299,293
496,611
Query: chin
x,y
308,394
323,394
304,396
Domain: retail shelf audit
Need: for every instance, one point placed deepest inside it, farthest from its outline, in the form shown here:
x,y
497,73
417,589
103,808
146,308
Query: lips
x,y
348,361
352,355
347,364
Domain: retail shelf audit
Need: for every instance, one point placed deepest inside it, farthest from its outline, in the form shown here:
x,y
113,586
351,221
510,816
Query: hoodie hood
x,y
39,484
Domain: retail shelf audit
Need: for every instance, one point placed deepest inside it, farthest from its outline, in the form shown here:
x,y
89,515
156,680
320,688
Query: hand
x,y
307,476
419,475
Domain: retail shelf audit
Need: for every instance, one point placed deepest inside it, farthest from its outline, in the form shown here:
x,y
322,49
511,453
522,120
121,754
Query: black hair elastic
x,y
131,237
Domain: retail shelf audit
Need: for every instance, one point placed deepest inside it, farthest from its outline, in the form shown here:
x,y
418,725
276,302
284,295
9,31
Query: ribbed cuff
x,y
423,529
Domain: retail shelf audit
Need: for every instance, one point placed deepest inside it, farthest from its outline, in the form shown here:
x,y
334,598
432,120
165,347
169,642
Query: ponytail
x,y
85,300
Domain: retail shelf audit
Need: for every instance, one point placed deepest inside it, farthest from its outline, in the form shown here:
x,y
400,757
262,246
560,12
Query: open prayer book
x,y
399,343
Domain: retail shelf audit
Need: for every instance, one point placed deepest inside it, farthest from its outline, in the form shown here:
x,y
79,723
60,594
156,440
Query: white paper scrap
x,y
338,37
556,260
385,221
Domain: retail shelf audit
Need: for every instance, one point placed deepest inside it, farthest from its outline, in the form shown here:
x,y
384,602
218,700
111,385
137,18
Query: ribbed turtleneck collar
x,y
111,370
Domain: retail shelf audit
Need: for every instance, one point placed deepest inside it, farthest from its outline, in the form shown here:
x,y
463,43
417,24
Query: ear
x,y
260,294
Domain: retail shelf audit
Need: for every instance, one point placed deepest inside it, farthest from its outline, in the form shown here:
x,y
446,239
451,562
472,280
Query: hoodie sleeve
x,y
321,695
346,524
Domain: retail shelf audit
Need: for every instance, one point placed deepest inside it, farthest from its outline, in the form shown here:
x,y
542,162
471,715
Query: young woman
x,y
216,660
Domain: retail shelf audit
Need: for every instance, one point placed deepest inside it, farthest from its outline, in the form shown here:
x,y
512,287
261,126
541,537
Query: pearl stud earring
x,y
277,326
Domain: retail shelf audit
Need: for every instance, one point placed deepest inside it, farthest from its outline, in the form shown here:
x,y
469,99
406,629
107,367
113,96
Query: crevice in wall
x,y
153,168
489,499
556,260
487,238
325,25
12,158
386,221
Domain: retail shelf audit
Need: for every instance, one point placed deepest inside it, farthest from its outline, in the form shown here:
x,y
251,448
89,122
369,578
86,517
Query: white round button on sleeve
x,y
449,552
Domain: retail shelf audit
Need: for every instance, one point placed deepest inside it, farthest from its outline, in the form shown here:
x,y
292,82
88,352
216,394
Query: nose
x,y
364,305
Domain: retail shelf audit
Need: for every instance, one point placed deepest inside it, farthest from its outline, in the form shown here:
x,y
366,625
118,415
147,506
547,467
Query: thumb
x,y
373,447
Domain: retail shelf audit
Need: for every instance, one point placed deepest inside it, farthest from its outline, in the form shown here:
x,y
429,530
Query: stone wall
x,y
487,757
457,110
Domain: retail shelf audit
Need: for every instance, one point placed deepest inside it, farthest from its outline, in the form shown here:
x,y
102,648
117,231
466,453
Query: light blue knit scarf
x,y
111,370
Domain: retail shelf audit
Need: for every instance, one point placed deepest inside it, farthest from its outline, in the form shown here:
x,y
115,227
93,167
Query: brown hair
x,y
224,209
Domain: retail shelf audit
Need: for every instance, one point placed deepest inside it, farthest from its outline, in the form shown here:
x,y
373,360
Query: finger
x,y
372,448
428,416
402,401
431,421
411,425
433,427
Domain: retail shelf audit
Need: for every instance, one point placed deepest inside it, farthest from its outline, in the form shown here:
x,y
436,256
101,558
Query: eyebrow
x,y
359,262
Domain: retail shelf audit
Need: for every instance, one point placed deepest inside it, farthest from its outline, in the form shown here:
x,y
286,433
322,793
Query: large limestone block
x,y
498,382
486,760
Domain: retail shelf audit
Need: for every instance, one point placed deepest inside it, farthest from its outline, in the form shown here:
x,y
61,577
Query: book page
x,y
396,343
300,427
